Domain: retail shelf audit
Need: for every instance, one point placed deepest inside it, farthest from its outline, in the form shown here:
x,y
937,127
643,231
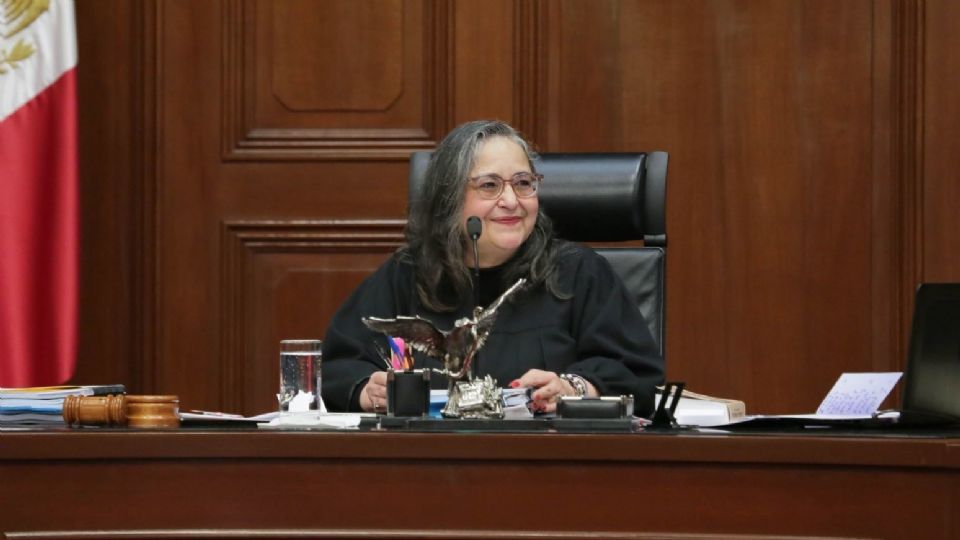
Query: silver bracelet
x,y
578,383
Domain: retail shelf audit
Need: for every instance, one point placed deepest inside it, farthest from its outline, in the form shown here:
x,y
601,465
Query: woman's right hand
x,y
373,397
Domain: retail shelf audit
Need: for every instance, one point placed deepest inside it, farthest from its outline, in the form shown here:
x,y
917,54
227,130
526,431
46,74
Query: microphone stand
x,y
474,229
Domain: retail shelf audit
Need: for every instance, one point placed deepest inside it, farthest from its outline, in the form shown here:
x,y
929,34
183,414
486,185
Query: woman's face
x,y
507,220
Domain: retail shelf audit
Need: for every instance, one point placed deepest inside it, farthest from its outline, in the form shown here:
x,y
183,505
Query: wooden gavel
x,y
122,410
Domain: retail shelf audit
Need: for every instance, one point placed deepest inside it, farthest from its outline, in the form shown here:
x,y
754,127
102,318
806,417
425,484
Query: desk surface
x,y
247,483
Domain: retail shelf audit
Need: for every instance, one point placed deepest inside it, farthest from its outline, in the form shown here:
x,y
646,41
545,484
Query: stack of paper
x,y
854,399
44,404
515,403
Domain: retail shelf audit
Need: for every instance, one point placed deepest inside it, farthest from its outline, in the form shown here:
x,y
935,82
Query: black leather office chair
x,y
594,197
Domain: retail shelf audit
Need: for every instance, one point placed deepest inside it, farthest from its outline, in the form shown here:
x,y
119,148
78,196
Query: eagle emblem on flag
x,y
15,16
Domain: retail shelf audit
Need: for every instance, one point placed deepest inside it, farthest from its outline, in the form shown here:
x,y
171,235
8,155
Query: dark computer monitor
x,y
932,380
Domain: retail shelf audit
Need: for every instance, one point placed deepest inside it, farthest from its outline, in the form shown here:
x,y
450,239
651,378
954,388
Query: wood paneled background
x,y
244,167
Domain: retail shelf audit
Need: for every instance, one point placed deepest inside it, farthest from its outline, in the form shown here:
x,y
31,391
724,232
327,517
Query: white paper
x,y
312,419
858,394
698,412
213,416
301,402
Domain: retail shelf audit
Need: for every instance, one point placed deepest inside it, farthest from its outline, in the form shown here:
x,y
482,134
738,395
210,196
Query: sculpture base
x,y
477,398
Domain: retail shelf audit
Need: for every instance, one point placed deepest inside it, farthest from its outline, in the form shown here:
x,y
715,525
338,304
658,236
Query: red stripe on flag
x,y
39,238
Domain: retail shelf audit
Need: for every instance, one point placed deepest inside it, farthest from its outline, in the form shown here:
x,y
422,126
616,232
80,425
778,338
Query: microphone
x,y
474,228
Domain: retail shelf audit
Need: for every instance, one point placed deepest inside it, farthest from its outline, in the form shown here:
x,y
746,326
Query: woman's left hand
x,y
548,389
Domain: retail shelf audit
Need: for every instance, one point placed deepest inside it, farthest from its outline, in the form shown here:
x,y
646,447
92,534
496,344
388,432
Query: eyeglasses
x,y
490,186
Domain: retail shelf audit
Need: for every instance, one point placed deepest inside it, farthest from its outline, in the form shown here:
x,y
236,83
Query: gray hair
x,y
436,238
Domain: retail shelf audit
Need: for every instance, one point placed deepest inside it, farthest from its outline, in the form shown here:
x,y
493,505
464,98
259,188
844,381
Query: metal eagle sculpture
x,y
456,347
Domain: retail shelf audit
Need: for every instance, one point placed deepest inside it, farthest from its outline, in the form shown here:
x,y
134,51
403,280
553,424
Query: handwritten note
x,y
858,393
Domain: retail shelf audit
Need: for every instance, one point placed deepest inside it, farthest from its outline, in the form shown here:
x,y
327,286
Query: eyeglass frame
x,y
537,180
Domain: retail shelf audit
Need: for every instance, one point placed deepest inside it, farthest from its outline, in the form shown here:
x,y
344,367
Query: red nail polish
x,y
515,384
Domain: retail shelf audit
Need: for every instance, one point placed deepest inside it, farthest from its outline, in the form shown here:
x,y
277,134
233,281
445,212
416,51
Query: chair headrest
x,y
594,197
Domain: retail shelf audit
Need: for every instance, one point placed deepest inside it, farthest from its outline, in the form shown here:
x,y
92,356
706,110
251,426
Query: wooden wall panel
x,y
334,80
583,76
486,89
941,142
811,173
285,281
335,57
110,193
294,195
766,112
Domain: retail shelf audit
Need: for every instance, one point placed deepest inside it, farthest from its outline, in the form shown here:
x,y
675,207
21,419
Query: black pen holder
x,y
408,392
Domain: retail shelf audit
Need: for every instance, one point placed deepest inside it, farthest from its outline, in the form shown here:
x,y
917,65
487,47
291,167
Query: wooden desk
x,y
254,484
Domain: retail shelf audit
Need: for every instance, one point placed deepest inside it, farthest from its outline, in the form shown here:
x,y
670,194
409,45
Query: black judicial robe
x,y
598,333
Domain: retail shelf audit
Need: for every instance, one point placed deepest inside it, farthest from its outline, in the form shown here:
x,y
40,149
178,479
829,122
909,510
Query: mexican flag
x,y
38,192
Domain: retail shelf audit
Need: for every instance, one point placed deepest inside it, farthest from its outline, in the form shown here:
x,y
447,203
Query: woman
x,y
572,330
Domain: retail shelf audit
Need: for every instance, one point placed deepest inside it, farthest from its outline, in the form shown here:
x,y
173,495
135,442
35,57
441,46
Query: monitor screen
x,y
932,381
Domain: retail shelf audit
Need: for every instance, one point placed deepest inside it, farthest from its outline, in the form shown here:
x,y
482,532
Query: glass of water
x,y
300,361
